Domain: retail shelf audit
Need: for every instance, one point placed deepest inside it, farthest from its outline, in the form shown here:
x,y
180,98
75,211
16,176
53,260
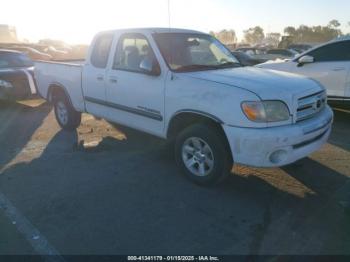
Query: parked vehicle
x,y
56,54
16,75
281,53
186,86
57,44
78,52
32,53
329,64
247,60
264,55
300,48
252,51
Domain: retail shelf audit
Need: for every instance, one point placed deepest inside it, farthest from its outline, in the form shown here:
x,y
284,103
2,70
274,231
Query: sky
x,y
77,21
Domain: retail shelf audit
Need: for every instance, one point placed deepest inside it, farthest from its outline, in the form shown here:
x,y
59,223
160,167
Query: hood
x,y
267,84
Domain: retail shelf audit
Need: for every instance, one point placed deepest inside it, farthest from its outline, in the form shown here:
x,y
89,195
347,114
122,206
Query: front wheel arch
x,y
184,118
209,135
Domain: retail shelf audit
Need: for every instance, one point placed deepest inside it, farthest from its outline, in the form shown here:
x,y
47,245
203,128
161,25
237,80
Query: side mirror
x,y
306,59
150,66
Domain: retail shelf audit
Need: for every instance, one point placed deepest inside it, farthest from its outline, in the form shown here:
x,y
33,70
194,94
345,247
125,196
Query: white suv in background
x,y
328,64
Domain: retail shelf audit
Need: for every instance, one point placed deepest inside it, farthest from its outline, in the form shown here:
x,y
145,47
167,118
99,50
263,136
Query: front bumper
x,y
279,146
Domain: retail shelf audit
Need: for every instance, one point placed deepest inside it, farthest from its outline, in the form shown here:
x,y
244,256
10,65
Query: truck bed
x,y
66,74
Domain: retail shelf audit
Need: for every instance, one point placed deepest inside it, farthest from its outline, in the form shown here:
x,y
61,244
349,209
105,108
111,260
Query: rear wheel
x,y
67,117
203,155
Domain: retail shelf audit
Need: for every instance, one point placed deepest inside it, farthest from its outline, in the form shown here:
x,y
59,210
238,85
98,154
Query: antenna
x,y
171,49
169,17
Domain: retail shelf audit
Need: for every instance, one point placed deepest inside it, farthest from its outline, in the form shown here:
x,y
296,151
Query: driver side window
x,y
132,49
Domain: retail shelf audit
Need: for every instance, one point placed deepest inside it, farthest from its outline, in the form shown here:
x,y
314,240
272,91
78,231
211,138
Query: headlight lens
x,y
266,111
5,84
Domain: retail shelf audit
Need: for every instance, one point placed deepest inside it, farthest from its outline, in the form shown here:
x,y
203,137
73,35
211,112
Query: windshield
x,y
194,52
14,60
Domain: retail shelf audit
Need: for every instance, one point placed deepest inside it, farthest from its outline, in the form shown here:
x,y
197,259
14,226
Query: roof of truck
x,y
156,30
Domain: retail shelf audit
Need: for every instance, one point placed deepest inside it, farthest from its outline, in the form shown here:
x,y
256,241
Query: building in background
x,y
8,34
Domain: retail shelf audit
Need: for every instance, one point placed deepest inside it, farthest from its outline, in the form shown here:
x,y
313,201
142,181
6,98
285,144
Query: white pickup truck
x,y
185,85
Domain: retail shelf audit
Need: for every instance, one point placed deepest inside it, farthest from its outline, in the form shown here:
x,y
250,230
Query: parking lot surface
x,y
111,190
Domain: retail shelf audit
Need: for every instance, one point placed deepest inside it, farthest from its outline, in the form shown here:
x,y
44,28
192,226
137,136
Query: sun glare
x,y
76,22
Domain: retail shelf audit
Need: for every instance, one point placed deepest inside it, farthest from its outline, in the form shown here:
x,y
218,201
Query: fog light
x,y
278,156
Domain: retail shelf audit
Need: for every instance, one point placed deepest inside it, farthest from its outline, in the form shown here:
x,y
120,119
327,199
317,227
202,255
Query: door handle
x,y
113,80
99,77
338,69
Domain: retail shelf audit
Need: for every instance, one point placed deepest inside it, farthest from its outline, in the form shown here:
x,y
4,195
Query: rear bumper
x,y
279,146
20,90
22,83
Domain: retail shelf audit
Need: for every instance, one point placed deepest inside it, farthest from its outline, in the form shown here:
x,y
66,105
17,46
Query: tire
x,y
202,153
67,117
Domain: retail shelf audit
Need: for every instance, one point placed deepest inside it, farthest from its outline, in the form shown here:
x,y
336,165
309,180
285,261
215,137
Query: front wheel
x,y
67,117
202,153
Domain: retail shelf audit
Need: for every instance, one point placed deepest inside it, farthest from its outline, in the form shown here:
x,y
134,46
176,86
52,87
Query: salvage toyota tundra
x,y
186,86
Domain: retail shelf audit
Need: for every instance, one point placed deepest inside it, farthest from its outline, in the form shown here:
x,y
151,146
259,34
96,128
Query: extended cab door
x,y
330,67
136,96
94,75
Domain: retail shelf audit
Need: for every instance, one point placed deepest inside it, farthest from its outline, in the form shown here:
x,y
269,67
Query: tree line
x,y
302,34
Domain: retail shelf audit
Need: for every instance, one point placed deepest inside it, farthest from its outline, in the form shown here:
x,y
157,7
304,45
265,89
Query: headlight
x,y
266,111
5,84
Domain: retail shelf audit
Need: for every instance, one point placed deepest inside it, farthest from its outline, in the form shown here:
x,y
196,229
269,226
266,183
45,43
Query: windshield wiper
x,y
198,67
195,67
229,65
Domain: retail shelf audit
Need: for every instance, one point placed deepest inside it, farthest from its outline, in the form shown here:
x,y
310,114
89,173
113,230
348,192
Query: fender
x,y
193,112
198,112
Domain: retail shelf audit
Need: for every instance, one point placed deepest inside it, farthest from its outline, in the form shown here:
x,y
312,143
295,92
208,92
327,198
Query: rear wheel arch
x,y
67,116
55,90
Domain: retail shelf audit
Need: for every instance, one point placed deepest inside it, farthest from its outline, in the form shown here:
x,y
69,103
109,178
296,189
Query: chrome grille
x,y
309,106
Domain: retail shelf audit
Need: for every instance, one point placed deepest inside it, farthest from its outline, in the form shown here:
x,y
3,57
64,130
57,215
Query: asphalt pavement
x,y
106,189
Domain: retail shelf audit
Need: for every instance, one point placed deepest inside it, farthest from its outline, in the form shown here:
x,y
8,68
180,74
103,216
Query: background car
x,y
32,53
16,75
56,54
252,51
300,48
265,54
247,60
329,64
281,53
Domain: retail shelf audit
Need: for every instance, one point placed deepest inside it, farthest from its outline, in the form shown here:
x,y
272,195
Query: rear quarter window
x,y
101,49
